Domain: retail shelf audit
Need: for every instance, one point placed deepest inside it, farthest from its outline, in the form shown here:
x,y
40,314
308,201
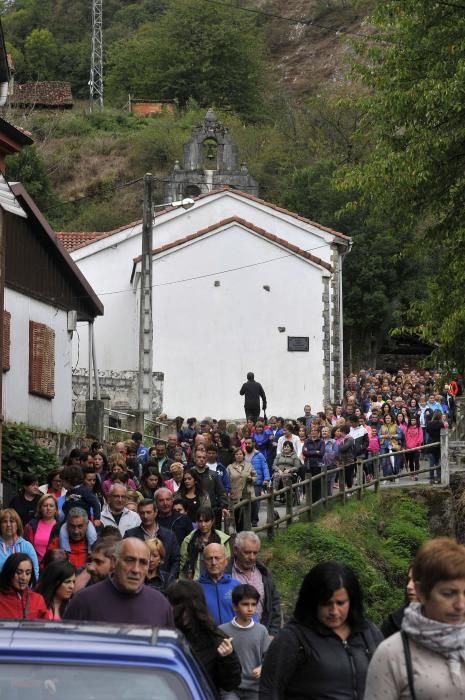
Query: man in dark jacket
x,y
149,529
123,597
179,524
213,485
245,567
252,392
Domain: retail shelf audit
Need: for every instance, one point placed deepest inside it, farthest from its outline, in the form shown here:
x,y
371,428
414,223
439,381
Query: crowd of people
x,y
137,536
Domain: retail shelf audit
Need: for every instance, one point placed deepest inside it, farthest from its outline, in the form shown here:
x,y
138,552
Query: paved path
x,y
405,481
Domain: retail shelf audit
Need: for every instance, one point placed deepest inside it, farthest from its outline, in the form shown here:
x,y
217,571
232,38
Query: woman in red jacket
x,y
17,601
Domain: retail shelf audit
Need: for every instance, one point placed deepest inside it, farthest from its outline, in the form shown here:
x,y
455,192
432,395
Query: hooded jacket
x,y
304,662
21,545
218,595
26,605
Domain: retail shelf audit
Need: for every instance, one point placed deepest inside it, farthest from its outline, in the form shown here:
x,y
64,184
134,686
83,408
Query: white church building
x,y
238,285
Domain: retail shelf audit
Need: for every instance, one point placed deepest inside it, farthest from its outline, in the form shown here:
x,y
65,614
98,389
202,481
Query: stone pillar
x,y
326,344
94,419
460,418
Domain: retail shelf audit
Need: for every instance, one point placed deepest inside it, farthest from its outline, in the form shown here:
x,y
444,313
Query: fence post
x,y
342,484
376,463
247,514
289,513
445,457
324,485
308,496
270,514
359,479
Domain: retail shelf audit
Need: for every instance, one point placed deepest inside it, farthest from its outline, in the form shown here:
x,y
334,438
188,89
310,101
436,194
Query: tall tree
x,y
414,66
197,50
376,277
41,54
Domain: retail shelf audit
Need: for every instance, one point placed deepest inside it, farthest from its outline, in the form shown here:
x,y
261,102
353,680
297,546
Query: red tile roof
x,y
232,190
247,224
80,239
43,93
270,205
71,240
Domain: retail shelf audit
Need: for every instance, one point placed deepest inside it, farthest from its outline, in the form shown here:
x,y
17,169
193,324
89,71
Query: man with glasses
x,y
116,513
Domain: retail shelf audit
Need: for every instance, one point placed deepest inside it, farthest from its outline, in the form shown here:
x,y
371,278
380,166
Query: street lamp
x,y
186,203
144,385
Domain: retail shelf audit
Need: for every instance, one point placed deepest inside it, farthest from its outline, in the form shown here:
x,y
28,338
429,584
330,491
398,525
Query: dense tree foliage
x,y
63,53
196,50
377,277
414,116
172,49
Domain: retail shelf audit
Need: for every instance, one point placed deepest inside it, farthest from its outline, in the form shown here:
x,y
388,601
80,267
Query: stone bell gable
x,y
210,161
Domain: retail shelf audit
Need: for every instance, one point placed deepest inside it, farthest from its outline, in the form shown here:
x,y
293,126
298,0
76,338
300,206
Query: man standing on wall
x,y
252,392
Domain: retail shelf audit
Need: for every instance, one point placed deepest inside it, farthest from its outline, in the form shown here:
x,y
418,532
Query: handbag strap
x,y
408,663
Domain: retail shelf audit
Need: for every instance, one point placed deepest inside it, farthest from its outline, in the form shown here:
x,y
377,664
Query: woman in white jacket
x,y
427,658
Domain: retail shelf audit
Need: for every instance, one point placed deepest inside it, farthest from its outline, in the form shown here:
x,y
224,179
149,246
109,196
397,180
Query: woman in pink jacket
x,y
413,438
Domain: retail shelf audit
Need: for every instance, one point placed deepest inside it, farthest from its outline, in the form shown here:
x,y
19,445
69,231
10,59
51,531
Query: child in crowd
x,y
79,495
374,448
250,642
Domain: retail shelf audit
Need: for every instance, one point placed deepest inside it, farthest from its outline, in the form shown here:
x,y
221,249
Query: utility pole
x,y
96,59
145,391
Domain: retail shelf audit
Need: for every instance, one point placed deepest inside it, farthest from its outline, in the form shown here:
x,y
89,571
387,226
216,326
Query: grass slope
x,y
377,537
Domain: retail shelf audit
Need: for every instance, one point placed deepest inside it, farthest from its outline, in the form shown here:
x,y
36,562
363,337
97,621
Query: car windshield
x,y
73,682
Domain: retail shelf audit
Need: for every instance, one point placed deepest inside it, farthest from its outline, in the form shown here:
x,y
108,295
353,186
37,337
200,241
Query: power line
x,y
449,4
208,274
291,20
111,188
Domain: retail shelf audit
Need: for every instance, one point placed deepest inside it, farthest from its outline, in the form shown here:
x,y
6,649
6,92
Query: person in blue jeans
x,y
260,467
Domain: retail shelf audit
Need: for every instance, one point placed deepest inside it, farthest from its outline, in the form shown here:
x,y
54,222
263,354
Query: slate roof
x,y
42,93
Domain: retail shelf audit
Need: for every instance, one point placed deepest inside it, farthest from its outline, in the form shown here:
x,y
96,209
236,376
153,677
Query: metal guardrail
x,y
127,418
132,415
299,495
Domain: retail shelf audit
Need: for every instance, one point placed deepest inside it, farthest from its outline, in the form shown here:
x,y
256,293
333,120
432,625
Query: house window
x,y
41,360
6,341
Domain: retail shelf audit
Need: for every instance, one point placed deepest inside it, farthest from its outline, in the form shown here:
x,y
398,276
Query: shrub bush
x,y
21,454
378,537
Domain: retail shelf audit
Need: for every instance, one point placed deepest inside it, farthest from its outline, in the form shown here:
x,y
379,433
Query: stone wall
x,y
118,391
326,343
459,428
335,390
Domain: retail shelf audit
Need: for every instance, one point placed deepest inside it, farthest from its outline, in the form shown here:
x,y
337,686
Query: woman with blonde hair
x,y
426,659
12,541
177,472
156,578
